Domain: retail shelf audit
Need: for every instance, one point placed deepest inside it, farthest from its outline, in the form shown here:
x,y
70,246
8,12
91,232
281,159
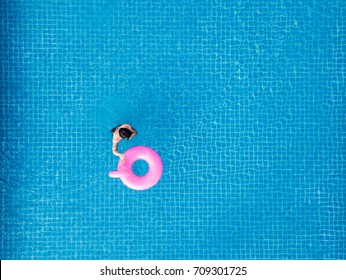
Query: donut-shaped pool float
x,y
131,180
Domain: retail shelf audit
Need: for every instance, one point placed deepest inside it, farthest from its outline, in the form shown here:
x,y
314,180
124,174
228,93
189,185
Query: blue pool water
x,y
243,100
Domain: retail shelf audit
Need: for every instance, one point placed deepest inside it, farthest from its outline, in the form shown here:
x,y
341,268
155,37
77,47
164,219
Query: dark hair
x,y
125,133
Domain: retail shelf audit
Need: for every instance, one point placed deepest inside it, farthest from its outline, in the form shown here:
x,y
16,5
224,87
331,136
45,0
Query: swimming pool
x,y
242,100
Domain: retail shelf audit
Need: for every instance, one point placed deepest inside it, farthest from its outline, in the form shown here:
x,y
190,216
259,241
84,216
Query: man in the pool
x,y
124,131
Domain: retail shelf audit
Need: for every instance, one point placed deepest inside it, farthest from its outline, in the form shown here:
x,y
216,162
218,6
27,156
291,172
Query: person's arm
x,y
134,132
115,150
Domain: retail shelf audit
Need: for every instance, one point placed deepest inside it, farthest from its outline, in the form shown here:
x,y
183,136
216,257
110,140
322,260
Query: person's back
x,y
124,131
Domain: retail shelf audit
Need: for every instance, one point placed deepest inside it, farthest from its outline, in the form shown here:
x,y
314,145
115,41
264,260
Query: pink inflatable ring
x,y
130,179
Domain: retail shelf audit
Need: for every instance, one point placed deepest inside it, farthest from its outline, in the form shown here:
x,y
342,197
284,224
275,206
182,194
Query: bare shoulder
x,y
127,126
116,137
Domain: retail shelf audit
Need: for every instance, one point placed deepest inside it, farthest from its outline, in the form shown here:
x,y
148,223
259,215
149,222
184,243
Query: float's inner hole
x,y
140,167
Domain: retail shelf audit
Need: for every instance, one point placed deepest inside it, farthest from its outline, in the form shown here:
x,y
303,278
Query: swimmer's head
x,y
125,133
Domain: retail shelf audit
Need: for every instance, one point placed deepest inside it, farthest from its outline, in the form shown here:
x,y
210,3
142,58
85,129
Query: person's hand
x,y
122,157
